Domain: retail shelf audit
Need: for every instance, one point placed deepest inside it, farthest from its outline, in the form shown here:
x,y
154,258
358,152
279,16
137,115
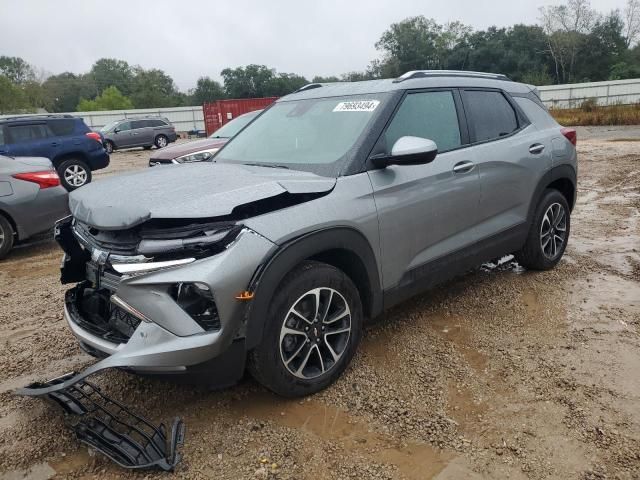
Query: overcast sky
x,y
189,39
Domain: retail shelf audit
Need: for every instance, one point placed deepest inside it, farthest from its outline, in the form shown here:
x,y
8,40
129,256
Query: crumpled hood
x,y
184,148
202,190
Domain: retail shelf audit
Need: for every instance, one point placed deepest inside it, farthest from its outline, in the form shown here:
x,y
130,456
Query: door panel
x,y
425,211
122,137
34,140
140,133
510,162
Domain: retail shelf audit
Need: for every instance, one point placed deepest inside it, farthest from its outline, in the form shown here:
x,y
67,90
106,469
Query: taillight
x,y
44,179
570,134
94,136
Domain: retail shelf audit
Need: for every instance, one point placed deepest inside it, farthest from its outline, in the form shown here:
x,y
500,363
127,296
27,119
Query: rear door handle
x,y
54,144
463,167
536,148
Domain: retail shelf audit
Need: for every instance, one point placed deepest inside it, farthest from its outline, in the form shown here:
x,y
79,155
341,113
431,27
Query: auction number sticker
x,y
357,106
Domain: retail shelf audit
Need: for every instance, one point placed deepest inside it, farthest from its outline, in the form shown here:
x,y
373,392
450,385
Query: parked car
x,y
202,150
67,141
138,132
338,202
31,199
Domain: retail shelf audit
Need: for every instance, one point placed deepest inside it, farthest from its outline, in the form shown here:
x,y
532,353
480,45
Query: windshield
x,y
309,135
234,126
109,126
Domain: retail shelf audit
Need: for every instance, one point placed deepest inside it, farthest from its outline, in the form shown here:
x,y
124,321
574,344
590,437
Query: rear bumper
x,y
98,159
40,214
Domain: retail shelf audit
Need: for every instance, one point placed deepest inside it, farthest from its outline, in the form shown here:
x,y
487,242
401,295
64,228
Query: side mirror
x,y
408,151
116,130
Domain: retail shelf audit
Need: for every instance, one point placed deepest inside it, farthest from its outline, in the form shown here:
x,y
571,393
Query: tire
x,y
548,234
74,173
147,147
161,141
6,237
109,146
278,362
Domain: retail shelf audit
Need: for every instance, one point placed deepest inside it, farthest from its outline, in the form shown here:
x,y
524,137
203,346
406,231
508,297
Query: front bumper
x,y
171,341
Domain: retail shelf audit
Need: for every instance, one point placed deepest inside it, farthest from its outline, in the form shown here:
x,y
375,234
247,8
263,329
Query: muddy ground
x,y
502,373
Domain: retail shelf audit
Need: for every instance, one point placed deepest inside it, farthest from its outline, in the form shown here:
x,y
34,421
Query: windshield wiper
x,y
268,165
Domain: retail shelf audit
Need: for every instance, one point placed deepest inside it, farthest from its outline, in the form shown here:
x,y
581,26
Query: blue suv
x,y
73,148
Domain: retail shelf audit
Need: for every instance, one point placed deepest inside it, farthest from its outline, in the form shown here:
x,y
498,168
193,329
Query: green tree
x,y
12,98
153,89
63,92
320,79
16,70
109,99
247,82
108,72
207,90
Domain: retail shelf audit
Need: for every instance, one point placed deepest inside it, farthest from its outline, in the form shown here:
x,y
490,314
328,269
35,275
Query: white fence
x,y
605,93
183,118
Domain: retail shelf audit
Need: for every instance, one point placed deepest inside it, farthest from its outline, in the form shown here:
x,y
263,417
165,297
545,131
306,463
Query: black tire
x,y
161,141
533,256
267,361
147,147
109,146
73,166
6,237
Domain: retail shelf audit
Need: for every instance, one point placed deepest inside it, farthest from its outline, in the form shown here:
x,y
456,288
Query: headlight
x,y
201,156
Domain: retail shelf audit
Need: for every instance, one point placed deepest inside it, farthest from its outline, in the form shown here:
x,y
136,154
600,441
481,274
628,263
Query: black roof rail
x,y
37,116
449,73
308,86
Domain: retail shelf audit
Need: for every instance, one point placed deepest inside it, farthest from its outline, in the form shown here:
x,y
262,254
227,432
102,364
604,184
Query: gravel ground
x,y
501,373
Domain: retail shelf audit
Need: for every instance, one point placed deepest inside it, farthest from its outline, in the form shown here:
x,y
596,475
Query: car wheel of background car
x,y
548,234
108,146
74,174
161,141
313,327
6,237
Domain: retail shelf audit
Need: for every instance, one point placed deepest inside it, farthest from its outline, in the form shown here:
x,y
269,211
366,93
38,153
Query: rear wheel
x,y
74,173
161,141
313,327
109,147
548,234
6,237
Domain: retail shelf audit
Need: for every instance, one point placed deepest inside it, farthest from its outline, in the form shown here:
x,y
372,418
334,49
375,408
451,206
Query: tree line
x,y
571,43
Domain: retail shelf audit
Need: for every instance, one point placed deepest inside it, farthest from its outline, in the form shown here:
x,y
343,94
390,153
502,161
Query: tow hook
x,y
106,425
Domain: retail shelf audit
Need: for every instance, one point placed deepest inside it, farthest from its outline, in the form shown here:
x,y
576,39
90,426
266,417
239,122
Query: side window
x,y
156,123
27,133
429,115
138,124
2,142
490,114
62,127
124,126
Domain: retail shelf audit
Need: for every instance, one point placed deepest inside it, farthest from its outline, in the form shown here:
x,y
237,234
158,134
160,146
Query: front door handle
x,y
536,148
463,167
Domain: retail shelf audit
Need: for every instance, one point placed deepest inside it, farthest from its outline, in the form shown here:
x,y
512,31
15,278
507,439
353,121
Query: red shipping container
x,y
217,113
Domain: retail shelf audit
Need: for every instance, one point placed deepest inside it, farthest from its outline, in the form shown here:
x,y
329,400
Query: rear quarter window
x,y
62,127
534,112
490,114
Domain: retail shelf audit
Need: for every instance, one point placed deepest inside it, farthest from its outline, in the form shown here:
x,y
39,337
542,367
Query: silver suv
x,y
337,202
138,132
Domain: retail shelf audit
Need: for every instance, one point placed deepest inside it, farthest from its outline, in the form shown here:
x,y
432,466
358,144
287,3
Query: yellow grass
x,y
594,115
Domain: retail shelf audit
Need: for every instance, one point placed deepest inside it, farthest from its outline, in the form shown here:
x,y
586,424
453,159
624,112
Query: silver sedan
x,y
31,199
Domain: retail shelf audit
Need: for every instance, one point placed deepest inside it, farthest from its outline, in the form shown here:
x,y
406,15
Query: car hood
x,y
180,149
203,190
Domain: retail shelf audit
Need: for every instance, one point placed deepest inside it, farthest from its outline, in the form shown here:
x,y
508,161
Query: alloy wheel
x,y
161,142
75,175
315,333
553,231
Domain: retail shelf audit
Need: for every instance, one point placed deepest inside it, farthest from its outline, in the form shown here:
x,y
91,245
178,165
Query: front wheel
x,y
109,147
313,328
74,174
548,233
161,141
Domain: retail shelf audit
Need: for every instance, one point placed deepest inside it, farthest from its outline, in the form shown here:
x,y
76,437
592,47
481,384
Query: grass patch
x,y
589,114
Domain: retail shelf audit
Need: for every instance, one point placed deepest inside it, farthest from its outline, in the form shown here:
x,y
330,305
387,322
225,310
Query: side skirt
x,y
428,275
